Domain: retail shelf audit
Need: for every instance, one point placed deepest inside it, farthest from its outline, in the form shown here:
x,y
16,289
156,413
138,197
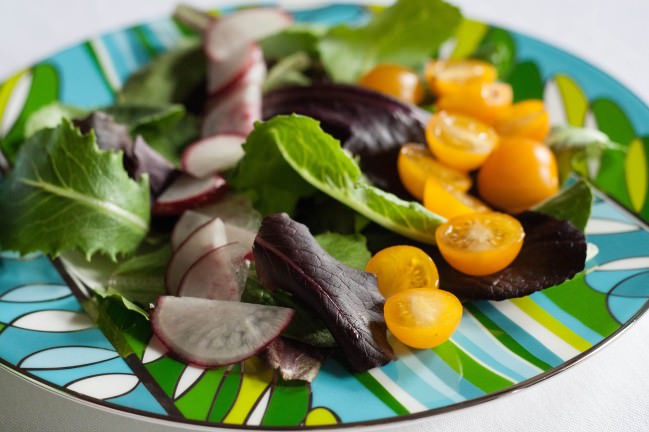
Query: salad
x,y
294,191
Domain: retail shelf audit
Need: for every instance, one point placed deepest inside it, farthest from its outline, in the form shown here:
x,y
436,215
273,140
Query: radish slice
x,y
240,66
212,333
233,113
220,274
230,33
188,223
214,154
245,238
234,210
205,238
187,192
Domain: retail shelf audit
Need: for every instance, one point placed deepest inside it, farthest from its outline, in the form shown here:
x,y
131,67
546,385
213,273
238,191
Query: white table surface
x,y
607,392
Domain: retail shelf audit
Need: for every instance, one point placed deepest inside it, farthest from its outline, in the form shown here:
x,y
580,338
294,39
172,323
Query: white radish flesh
x,y
187,192
214,332
234,113
205,238
234,210
211,155
230,33
220,274
245,238
240,67
188,223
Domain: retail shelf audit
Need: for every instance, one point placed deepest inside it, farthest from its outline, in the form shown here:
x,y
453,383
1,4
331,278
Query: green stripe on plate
x,y
527,305
288,405
227,394
467,367
380,392
506,339
95,59
142,38
166,372
591,309
196,403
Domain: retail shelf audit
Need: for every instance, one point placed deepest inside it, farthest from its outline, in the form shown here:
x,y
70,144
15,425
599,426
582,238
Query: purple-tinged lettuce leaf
x,y
347,300
139,157
293,360
370,125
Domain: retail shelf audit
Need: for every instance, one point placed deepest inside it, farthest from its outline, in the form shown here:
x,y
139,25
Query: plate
x,y
46,337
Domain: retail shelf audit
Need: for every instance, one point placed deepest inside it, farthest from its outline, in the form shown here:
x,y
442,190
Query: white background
x,y
607,392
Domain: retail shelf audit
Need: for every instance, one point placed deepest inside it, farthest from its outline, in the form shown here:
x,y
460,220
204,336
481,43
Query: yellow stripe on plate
x,y
6,89
527,305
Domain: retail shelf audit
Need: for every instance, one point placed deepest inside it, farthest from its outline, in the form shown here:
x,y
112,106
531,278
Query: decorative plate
x,y
46,337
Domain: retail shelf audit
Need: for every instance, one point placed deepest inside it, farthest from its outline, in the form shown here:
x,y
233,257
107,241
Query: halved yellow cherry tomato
x,y
486,102
422,318
403,267
449,76
448,202
527,119
459,141
479,244
396,81
416,163
518,174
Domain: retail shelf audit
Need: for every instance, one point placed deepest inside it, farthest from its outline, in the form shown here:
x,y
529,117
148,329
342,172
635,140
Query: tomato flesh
x,y
422,318
449,76
527,119
416,164
449,202
518,174
486,102
398,268
396,81
460,141
479,244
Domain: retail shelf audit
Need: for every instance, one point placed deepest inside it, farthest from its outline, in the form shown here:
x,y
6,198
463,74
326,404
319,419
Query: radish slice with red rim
x,y
220,274
211,155
234,113
245,238
242,66
228,34
187,192
188,222
212,333
205,238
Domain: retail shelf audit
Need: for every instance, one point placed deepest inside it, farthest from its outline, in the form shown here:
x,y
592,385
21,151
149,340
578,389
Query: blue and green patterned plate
x,y
46,337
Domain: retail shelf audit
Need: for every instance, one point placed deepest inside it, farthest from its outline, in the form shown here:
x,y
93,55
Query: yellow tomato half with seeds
x,y
459,141
416,164
422,318
403,267
479,244
449,76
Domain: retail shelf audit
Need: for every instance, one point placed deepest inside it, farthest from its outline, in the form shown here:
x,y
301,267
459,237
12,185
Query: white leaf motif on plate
x,y
105,386
154,350
190,375
607,226
36,293
54,321
635,263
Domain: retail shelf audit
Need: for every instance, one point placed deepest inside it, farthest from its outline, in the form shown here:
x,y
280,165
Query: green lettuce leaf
x,y
297,38
349,249
406,34
288,71
51,115
135,281
64,194
288,157
572,204
580,150
170,78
